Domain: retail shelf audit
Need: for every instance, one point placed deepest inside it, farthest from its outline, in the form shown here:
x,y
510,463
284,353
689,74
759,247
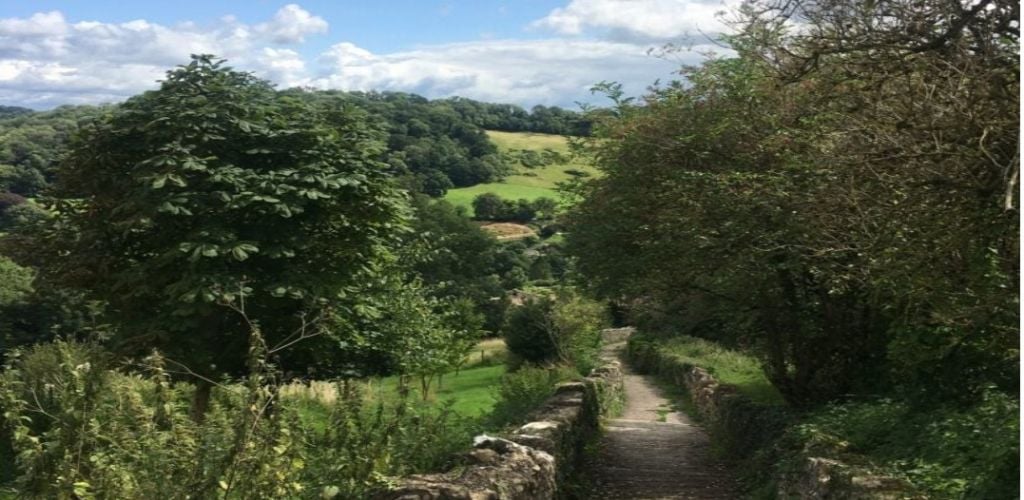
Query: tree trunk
x,y
200,401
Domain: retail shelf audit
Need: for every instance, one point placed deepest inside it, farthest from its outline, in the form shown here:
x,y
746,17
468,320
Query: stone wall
x,y
616,335
536,458
743,427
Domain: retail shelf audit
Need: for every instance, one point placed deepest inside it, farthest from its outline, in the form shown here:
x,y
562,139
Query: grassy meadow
x,y
471,391
526,183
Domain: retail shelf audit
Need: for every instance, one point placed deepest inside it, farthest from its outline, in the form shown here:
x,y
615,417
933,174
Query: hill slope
x,y
527,183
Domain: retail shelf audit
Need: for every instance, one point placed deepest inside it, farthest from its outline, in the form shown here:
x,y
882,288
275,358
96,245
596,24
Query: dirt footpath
x,y
654,452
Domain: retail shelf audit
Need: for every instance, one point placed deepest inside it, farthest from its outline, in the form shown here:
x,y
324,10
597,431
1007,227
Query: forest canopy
x,y
841,195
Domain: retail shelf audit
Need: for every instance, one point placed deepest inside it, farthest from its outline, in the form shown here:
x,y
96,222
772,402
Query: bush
x,y
490,206
357,445
528,334
566,329
949,451
577,323
81,429
532,159
8,200
20,215
75,427
523,390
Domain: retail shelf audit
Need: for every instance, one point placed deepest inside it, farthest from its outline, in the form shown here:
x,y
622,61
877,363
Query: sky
x,y
524,52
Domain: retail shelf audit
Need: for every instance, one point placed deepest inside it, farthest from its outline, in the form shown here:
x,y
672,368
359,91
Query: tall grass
x,y
728,366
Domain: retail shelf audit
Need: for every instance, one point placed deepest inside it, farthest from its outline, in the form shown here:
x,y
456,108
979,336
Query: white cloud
x,y
46,60
552,71
648,20
283,66
291,24
40,24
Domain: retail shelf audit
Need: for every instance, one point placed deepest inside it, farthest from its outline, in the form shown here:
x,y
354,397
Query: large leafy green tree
x,y
840,196
213,196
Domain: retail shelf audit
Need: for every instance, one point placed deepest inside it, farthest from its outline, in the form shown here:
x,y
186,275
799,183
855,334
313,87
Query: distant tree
x,y
489,206
21,215
522,210
8,200
11,111
33,143
527,332
435,183
545,207
463,262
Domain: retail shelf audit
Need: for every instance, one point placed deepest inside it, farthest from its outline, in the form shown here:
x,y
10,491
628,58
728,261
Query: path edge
x,y
745,427
538,458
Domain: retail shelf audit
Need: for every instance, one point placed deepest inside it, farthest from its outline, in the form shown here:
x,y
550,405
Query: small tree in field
x,y
172,200
489,206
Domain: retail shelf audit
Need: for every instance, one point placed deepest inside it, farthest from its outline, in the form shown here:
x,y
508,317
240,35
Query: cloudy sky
x,y
520,51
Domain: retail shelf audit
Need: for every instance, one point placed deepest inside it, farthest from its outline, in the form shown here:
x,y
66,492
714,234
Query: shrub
x,y
350,452
950,451
577,323
527,332
75,427
532,159
80,429
565,329
8,200
545,207
523,390
488,206
20,215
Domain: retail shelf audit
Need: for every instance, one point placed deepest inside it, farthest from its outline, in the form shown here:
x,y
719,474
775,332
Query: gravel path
x,y
654,452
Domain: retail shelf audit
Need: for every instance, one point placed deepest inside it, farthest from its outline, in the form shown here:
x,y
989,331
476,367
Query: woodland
x,y
221,289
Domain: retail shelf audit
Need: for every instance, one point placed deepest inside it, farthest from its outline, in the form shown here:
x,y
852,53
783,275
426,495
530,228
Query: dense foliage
x,y
841,199
490,206
190,208
33,142
465,262
563,328
85,429
429,144
434,144
512,118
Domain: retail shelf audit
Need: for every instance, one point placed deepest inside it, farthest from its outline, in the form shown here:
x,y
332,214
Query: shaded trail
x,y
653,452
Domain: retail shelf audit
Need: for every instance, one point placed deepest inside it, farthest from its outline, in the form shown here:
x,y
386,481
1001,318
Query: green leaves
x,y
242,251
206,184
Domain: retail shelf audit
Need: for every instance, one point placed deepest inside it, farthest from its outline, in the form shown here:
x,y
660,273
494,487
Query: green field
x,y
527,183
472,391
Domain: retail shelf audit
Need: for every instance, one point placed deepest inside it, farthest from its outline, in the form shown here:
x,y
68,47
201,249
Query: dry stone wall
x,y
532,462
743,427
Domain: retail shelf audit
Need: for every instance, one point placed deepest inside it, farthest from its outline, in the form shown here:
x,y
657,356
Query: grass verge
x,y
728,366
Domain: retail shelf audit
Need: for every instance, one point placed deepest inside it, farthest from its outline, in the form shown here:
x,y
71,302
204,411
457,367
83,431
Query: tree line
x,y
433,145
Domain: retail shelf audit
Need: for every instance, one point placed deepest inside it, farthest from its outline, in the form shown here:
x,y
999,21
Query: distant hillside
x,y
431,145
9,111
528,182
